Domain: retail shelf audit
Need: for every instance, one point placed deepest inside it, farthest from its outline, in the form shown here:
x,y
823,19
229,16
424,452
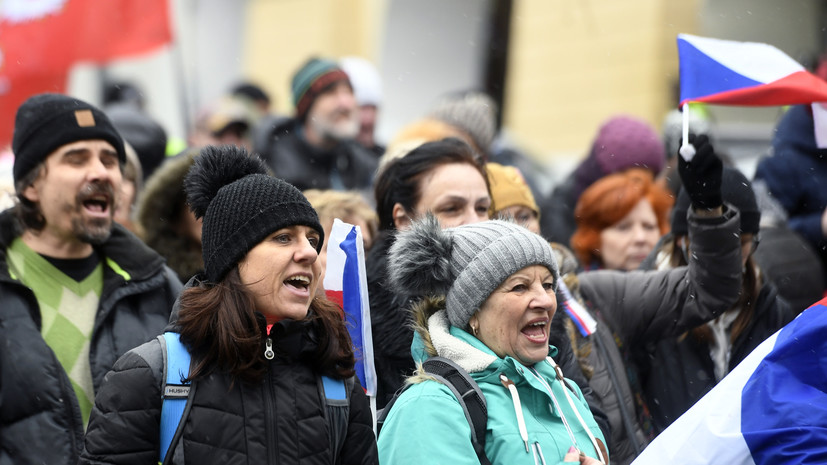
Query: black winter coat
x,y
40,420
676,372
281,419
346,166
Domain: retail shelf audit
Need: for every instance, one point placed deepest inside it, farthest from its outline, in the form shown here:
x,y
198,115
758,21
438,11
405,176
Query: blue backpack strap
x,y
334,388
174,391
336,395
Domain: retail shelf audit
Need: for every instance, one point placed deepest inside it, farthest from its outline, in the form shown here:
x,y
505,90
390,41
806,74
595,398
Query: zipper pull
x,y
268,349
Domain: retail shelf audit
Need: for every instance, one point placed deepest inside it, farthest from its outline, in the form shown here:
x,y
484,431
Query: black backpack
x,y
468,395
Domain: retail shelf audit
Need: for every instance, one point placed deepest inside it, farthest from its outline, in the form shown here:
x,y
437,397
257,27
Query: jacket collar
x,y
134,259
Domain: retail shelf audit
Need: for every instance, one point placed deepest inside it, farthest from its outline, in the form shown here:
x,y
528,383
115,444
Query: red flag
x,y
51,35
15,91
41,39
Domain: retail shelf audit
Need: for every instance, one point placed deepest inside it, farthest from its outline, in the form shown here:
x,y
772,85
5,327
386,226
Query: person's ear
x,y
31,194
401,220
474,324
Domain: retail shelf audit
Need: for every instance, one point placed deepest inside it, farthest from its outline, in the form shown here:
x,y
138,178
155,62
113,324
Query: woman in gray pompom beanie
x,y
493,297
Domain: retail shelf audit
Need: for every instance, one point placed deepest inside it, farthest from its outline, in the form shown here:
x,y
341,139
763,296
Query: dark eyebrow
x,y
77,151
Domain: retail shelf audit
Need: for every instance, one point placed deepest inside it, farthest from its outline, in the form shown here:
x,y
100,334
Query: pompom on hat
x,y
241,205
45,122
465,264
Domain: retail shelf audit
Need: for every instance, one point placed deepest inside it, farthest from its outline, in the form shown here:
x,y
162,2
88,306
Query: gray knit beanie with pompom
x,y
465,264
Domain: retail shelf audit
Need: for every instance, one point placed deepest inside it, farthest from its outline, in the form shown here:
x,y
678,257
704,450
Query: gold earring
x,y
474,330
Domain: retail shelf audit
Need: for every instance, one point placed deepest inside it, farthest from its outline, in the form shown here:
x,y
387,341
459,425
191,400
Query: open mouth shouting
x,y
299,283
96,200
536,331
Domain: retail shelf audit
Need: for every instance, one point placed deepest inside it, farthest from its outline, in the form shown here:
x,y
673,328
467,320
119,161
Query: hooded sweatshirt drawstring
x,y
518,408
593,440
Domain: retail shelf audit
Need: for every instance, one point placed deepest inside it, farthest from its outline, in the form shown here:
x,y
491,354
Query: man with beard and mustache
x,y
77,290
318,149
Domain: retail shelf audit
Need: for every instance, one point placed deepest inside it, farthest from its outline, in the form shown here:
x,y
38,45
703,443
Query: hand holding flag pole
x,y
687,151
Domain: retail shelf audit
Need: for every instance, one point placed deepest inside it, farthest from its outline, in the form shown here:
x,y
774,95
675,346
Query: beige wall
x,y
574,64
282,34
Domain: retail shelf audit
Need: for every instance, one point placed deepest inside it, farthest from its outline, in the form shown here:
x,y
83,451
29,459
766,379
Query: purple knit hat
x,y
622,142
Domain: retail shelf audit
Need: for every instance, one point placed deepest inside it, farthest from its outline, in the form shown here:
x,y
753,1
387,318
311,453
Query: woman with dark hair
x,y
445,178
261,341
677,371
619,220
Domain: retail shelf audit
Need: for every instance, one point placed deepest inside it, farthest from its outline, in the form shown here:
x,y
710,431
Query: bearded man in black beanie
x,y
77,290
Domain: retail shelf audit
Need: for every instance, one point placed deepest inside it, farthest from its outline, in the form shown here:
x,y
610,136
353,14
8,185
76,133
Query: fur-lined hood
x,y
156,210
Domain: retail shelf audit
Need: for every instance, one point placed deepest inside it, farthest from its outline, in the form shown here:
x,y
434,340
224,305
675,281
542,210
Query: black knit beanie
x,y
47,121
241,205
735,190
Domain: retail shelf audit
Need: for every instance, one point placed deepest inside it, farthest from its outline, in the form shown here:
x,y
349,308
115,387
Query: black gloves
x,y
701,177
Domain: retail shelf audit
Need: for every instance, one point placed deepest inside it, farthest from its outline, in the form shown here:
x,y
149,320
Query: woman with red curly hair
x,y
619,220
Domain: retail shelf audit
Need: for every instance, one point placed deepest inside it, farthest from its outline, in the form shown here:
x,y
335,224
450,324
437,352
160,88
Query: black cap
x,y
46,122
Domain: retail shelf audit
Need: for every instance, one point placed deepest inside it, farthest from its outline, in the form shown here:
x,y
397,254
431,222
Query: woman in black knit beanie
x,y
265,347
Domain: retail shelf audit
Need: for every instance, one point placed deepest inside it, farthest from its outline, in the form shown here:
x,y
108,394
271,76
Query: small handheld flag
x,y
345,282
726,72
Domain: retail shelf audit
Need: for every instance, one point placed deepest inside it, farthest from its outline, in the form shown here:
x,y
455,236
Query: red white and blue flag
x,y
581,318
345,283
771,409
726,72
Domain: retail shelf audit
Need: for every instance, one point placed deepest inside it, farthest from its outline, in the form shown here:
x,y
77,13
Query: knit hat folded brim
x,y
46,122
465,264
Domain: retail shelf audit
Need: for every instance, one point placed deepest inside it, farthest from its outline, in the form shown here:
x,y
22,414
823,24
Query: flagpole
x,y
687,151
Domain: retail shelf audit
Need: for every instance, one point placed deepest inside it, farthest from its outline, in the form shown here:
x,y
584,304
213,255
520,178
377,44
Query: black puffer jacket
x,y
391,324
676,372
346,166
636,307
279,420
40,420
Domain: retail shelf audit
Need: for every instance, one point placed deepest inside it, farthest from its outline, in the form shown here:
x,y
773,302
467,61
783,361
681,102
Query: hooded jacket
x,y
427,424
347,166
40,420
281,419
158,210
392,329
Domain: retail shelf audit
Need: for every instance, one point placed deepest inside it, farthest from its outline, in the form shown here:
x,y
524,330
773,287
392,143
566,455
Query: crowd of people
x,y
584,319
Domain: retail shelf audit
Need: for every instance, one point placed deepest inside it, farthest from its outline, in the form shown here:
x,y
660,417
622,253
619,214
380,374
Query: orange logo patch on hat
x,y
85,118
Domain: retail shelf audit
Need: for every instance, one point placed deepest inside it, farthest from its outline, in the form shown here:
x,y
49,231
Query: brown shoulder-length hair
x,y
218,323
610,199
747,301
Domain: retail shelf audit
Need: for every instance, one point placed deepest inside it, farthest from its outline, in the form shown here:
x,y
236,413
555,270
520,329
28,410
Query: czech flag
x,y
578,314
726,72
771,409
345,282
